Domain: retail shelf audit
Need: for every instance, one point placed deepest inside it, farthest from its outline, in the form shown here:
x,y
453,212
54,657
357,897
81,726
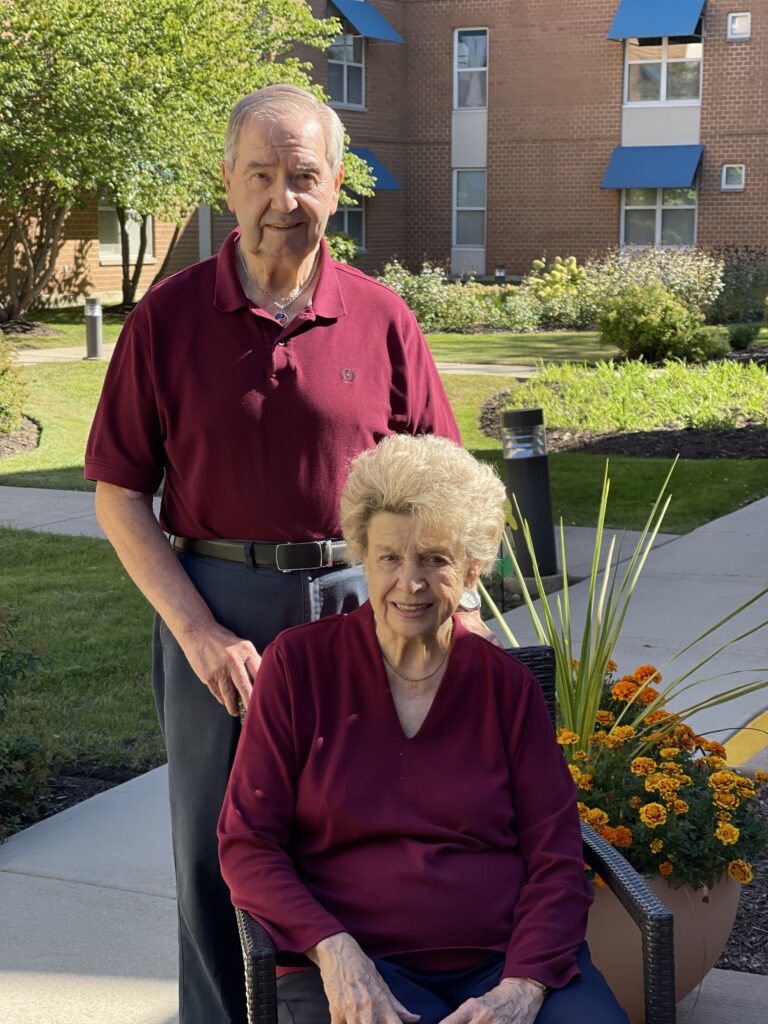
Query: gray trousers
x,y
201,738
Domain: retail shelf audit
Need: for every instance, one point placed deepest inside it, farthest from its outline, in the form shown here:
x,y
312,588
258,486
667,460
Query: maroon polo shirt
x,y
252,426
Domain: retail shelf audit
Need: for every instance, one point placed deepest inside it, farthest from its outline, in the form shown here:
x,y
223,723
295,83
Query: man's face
x,y
281,188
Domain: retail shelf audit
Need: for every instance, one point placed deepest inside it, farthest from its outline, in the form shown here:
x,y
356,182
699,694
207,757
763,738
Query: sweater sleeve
x,y
257,815
550,918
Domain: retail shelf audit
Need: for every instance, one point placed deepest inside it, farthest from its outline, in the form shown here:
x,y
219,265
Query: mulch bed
x,y
29,328
747,948
24,439
746,442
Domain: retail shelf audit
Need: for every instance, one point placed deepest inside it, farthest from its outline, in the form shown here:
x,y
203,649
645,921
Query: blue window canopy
x,y
653,167
367,20
385,180
645,19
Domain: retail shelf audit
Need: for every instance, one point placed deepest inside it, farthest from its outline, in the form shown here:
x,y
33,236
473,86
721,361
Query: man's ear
x,y
336,187
227,184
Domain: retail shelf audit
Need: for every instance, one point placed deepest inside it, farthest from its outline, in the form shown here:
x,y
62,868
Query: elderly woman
x,y
399,813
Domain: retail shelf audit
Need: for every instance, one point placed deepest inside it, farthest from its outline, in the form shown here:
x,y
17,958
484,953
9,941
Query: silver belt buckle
x,y
324,556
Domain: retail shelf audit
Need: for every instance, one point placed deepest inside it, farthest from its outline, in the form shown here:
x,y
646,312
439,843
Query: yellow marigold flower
x,y
728,801
611,742
624,690
642,765
622,836
622,733
713,761
605,718
727,834
672,767
582,809
667,785
644,672
723,816
653,815
611,666
586,782
659,715
741,871
745,786
680,807
761,776
656,845
575,772
566,737
723,780
597,739
648,695
596,817
635,801
669,751
665,868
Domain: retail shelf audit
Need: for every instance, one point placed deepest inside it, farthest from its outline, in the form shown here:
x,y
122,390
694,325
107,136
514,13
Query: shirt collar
x,y
327,301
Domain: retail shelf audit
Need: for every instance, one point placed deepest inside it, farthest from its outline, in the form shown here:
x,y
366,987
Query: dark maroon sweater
x,y
434,851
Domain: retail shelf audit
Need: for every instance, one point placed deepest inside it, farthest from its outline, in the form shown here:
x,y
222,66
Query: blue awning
x,y
367,20
643,19
652,167
385,180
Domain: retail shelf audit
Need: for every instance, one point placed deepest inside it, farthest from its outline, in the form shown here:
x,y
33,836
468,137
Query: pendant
x,y
281,317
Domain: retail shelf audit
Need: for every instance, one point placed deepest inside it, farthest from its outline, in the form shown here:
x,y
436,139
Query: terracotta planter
x,y
703,922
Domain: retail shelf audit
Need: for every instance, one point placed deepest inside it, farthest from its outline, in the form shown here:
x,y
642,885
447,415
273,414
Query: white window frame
x,y
456,69
657,231
739,36
113,254
345,210
725,187
665,62
468,209
344,65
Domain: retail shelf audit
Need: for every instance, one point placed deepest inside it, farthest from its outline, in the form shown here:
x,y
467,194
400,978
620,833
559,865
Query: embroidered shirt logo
x,y
348,376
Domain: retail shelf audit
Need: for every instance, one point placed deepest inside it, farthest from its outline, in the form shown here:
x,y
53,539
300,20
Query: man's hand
x,y
226,664
473,622
513,1001
356,992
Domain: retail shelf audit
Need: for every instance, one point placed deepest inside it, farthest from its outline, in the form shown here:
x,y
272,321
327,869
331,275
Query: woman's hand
x,y
513,1001
356,992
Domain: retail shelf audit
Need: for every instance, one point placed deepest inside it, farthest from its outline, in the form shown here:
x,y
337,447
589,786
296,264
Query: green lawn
x,y
69,325
525,349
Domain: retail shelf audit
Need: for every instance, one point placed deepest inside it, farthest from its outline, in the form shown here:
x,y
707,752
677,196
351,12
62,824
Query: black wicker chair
x,y
649,913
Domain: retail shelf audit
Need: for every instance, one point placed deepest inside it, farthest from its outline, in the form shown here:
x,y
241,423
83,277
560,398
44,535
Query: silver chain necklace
x,y
281,317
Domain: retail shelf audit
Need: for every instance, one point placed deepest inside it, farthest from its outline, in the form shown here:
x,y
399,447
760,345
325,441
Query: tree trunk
x,y
30,250
131,280
167,258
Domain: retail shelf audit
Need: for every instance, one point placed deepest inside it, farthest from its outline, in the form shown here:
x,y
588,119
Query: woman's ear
x,y
472,575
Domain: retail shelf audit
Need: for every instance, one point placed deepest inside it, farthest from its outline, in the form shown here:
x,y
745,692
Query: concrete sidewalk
x,y
89,927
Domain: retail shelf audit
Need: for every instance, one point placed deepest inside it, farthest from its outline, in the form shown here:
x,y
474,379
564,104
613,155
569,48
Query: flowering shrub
x,y
745,284
693,276
649,322
661,793
565,296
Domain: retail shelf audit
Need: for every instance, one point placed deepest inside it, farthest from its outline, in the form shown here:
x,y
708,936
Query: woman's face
x,y
415,577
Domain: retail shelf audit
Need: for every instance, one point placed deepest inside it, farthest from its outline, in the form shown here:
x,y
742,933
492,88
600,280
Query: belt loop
x,y
250,561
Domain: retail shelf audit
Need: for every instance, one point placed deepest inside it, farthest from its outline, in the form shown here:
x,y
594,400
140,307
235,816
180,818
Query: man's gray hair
x,y
275,101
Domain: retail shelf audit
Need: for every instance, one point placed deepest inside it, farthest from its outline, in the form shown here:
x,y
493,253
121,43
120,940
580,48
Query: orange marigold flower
x,y
622,733
575,772
665,868
566,737
586,782
683,735
723,780
653,815
622,836
644,672
680,807
597,739
624,690
605,718
713,747
761,776
642,766
648,695
659,715
669,751
672,767
635,801
596,817
607,833
728,801
600,883
723,816
713,761
741,871
611,666
580,755
727,834
656,845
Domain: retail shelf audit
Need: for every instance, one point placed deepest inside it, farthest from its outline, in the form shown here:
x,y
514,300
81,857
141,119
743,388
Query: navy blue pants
x,y
201,738
433,995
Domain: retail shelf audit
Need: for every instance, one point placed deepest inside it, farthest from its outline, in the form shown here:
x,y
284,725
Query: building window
x,y
109,235
733,177
346,71
659,216
663,70
470,79
469,209
350,220
739,26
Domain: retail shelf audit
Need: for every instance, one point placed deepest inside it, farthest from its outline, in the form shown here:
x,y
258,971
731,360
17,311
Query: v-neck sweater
x,y
434,851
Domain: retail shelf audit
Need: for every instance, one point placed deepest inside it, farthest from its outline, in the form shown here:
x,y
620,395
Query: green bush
x,y
11,392
693,276
563,292
648,322
24,757
741,336
341,246
745,284
634,396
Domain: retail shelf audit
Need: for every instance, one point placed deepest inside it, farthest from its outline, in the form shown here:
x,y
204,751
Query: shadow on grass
x,y
64,478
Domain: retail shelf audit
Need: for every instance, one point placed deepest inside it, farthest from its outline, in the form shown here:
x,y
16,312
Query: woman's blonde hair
x,y
432,479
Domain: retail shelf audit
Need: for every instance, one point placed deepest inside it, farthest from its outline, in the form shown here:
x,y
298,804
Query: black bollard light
x,y
526,472
93,329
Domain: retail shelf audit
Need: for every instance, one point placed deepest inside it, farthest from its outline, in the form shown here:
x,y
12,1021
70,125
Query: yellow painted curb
x,y
748,741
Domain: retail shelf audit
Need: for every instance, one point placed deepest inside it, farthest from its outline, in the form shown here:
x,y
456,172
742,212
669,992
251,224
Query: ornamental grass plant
x,y
647,782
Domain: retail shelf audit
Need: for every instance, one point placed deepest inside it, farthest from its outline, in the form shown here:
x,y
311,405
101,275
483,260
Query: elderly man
x,y
244,385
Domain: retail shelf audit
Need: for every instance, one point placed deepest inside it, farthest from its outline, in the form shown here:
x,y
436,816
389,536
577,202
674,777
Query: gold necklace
x,y
421,679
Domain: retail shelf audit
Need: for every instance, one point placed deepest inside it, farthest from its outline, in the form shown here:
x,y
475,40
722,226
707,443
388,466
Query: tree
x,y
128,102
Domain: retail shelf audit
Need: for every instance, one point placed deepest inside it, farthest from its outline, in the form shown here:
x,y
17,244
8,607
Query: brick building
x,y
505,130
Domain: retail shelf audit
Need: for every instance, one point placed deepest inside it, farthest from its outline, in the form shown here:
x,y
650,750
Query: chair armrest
x,y
655,921
259,964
